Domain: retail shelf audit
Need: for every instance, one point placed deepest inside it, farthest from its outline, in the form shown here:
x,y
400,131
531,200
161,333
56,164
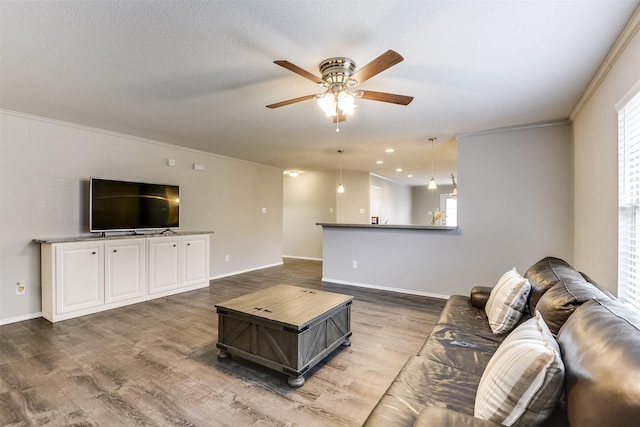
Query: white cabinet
x,y
86,276
164,268
177,263
125,270
80,276
195,260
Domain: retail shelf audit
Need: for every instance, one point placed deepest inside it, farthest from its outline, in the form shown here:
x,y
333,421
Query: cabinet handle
x,y
174,246
93,253
188,244
115,250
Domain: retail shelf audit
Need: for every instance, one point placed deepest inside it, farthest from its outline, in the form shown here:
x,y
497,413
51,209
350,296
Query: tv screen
x,y
126,206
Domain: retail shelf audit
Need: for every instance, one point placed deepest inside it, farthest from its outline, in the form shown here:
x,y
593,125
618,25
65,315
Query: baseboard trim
x,y
386,288
233,273
20,318
302,257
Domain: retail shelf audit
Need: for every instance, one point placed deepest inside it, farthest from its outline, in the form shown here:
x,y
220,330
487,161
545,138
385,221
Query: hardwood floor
x,y
155,363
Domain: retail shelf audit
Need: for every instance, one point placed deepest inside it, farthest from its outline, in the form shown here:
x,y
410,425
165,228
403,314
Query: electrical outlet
x,y
21,289
355,264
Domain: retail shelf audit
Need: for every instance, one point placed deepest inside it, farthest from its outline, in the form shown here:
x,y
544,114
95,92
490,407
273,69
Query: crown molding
x,y
628,33
558,122
127,136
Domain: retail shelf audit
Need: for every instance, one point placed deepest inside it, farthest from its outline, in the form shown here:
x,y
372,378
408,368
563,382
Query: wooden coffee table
x,y
285,328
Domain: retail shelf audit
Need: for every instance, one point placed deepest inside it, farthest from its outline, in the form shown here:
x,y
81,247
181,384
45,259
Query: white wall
x,y
308,198
352,206
515,207
44,166
395,206
595,129
424,201
312,197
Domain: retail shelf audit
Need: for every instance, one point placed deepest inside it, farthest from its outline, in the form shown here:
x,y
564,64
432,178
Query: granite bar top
x,y
99,236
389,226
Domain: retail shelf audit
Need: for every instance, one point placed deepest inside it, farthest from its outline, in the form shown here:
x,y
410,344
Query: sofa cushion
x,y
462,337
523,380
562,299
600,288
434,416
460,349
600,345
507,301
546,273
461,315
420,383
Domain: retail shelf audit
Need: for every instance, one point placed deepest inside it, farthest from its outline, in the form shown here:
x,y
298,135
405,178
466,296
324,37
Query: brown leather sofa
x,y
599,340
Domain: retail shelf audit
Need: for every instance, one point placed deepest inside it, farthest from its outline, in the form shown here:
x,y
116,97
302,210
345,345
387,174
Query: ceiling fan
x,y
339,79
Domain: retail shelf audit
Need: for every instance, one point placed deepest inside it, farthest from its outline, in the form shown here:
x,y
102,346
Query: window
x,y
449,204
629,201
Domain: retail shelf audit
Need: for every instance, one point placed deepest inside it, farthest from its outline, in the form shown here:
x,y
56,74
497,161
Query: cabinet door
x,y
79,276
195,260
124,269
164,272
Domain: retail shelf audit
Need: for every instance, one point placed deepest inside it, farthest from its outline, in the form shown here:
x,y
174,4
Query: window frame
x,y
629,197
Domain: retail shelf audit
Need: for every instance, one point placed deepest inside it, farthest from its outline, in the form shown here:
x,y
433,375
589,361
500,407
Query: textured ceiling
x,y
200,73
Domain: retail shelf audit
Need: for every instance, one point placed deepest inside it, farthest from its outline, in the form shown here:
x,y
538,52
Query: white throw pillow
x,y
507,301
523,380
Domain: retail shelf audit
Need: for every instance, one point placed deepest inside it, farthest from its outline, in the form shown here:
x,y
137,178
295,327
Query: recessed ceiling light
x,y
399,170
409,176
389,150
379,162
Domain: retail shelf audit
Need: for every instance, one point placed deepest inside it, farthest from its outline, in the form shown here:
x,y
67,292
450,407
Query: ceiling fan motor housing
x,y
336,72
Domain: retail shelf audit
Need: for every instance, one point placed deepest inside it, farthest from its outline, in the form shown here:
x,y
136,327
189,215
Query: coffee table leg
x,y
296,381
223,354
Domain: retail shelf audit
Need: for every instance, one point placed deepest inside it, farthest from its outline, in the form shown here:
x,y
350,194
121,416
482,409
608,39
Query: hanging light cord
x,y
431,156
340,186
432,183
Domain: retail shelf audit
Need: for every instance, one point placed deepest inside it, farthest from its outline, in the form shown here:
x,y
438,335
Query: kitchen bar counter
x,y
389,226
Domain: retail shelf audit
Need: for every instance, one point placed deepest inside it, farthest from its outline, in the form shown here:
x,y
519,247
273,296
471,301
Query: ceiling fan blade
x,y
341,117
304,73
386,97
291,101
378,65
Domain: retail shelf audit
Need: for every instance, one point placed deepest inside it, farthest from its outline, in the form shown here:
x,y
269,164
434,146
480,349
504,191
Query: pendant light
x,y
340,186
432,183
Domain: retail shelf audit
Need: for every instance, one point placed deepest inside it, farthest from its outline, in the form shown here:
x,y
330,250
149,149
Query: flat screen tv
x,y
129,206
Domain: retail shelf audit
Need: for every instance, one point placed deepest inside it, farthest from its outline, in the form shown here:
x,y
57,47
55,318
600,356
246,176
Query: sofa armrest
x,y
480,295
435,416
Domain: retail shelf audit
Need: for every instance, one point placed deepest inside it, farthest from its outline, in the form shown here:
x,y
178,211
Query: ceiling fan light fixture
x,y
339,78
346,102
326,102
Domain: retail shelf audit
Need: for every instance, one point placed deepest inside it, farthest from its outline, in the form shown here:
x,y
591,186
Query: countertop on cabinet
x,y
88,238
